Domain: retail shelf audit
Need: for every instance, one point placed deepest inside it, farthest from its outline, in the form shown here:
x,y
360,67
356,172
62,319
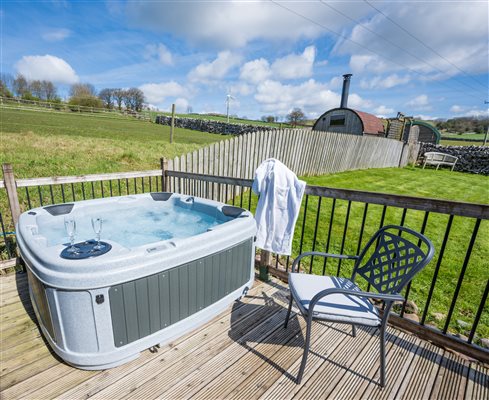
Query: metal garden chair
x,y
388,262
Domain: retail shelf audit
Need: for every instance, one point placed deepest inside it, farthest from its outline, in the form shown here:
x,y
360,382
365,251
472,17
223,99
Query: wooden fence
x,y
304,152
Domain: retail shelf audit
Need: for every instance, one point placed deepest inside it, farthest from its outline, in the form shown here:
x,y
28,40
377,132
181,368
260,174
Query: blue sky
x,y
423,58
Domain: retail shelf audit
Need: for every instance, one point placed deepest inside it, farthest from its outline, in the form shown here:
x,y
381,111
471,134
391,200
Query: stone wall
x,y
205,125
473,159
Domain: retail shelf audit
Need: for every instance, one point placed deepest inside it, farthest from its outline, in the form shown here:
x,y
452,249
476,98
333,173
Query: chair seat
x,y
334,307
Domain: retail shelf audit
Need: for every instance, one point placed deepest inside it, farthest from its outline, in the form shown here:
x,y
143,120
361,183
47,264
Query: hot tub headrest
x,y
161,196
59,209
231,211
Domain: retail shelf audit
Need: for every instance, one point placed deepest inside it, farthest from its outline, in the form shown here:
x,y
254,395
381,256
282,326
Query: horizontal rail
x,y
211,178
57,180
472,210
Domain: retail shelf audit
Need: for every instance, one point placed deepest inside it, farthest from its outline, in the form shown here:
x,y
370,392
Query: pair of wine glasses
x,y
70,226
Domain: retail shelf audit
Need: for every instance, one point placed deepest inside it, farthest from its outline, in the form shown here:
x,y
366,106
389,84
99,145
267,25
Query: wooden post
x,y
265,261
164,168
172,126
11,188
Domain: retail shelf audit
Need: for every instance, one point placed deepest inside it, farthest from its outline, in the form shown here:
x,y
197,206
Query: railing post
x,y
265,261
11,188
164,168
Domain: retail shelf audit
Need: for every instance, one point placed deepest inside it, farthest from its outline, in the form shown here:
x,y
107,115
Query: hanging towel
x,y
278,207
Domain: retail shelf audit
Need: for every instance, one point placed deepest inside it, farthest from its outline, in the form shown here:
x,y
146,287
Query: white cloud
x,y
425,117
292,66
160,52
156,93
312,97
381,82
48,68
477,113
457,109
383,111
437,25
181,105
215,70
56,35
242,89
420,102
295,66
256,71
358,103
234,24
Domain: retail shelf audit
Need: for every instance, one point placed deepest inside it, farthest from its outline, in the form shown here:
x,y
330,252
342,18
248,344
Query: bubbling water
x,y
131,226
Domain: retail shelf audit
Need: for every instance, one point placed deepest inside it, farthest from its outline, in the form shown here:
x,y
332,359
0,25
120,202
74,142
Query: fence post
x,y
172,126
11,188
265,261
164,168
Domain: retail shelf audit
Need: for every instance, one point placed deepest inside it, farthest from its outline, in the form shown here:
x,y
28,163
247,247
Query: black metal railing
x,y
449,296
452,289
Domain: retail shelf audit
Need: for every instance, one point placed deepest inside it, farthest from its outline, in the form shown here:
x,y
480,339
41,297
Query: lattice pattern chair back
x,y
395,259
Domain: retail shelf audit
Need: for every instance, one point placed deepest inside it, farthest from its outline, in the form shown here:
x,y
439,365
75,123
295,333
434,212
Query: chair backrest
x,y
393,260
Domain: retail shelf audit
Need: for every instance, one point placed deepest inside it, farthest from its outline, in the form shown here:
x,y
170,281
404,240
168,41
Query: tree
x,y
84,94
134,99
20,85
49,91
35,88
119,95
107,96
6,81
268,118
296,116
82,90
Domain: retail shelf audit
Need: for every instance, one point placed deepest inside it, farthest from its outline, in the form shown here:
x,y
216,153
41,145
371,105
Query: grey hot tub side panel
x,y
39,298
150,304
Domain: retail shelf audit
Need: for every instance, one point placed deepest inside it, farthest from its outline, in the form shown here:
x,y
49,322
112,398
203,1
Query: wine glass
x,y
97,228
70,227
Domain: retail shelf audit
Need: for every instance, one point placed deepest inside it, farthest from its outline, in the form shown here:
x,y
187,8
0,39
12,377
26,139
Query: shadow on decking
x,y
274,306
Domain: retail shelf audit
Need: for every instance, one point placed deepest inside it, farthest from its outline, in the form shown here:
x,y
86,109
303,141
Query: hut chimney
x,y
346,89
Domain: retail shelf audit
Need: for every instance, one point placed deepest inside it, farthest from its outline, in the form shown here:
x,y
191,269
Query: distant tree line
x,y
132,99
463,124
28,89
81,94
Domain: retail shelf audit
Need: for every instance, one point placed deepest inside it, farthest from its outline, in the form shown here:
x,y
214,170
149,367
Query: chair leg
x,y
288,312
306,351
382,356
353,330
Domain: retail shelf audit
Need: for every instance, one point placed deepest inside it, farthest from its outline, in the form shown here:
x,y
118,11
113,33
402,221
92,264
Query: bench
x,y
435,158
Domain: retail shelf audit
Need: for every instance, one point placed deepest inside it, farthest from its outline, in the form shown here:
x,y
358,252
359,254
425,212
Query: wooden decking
x,y
244,353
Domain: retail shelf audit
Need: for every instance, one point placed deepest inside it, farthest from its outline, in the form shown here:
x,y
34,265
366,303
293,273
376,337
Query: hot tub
x,y
175,262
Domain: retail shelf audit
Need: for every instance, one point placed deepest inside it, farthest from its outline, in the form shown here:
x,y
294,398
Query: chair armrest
x,y
327,292
318,253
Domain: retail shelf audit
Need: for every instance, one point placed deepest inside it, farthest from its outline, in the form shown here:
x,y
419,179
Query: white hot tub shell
x,y
100,312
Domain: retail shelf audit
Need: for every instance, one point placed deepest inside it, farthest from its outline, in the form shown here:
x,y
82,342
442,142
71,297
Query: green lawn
x,y
478,136
417,182
448,142
48,144
223,118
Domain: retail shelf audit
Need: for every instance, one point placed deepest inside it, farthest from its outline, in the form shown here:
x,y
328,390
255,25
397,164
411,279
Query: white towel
x,y
278,207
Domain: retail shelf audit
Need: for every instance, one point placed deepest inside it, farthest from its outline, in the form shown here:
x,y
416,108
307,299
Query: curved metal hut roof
x,y
429,126
371,125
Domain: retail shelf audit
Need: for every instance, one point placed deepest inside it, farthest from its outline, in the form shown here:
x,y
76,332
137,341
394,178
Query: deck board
x,y
244,353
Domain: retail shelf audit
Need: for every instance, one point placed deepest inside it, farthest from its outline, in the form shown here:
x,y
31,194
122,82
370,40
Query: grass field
x,y
46,144
413,182
478,136
461,143
232,120
55,144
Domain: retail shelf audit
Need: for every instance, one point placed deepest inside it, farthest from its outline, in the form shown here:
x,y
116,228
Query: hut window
x,y
338,120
